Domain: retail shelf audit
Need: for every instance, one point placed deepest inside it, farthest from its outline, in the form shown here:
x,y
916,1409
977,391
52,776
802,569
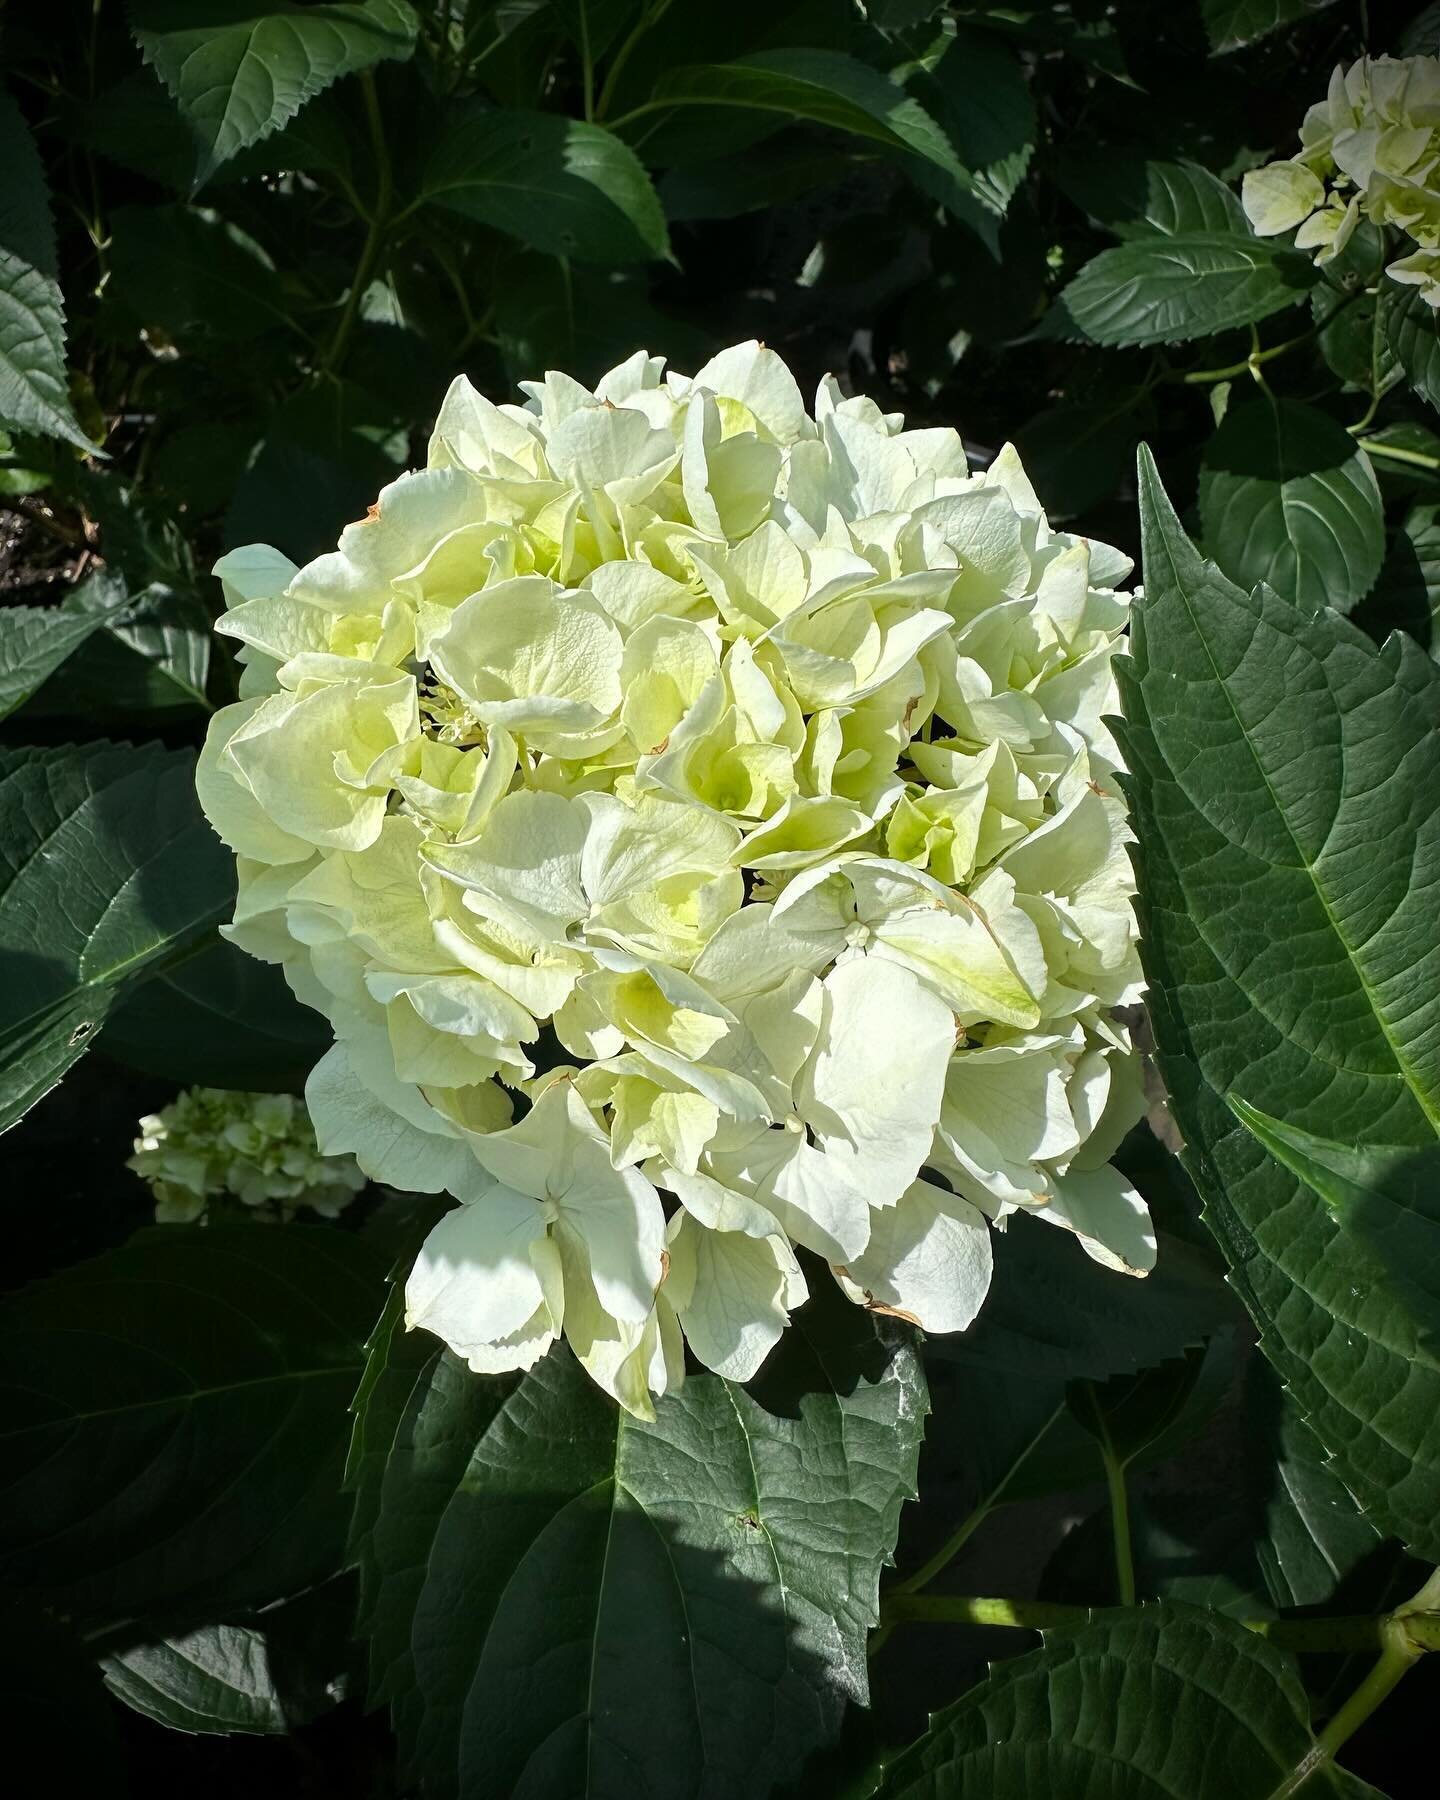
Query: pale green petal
x,y
1108,1215
929,1259
1280,196
729,1291
473,1283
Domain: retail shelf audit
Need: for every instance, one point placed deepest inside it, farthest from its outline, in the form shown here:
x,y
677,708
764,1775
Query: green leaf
x,y
567,1601
1136,199
828,88
34,641
222,1019
106,867
1287,498
1167,289
1232,24
1413,337
196,276
175,1421
1135,1703
594,25
33,393
257,1678
981,100
560,185
239,69
1286,789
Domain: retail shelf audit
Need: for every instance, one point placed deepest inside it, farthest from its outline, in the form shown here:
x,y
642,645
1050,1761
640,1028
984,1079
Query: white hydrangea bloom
x,y
1370,149
696,818
258,1148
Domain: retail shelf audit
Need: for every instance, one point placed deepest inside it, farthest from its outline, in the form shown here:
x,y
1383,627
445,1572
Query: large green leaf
x,y
152,656
558,184
1168,288
1169,1700
1286,497
1286,787
33,394
106,867
1232,24
828,88
175,1419
220,1018
239,69
562,1600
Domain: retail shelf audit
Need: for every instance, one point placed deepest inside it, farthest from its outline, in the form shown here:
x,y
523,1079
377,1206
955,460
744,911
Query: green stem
x,y
587,62
1119,1501
1397,453
1252,363
375,234
652,16
1394,1661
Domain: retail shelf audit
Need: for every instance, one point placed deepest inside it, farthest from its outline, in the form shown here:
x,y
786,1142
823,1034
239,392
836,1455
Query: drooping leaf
x,y
830,88
978,95
194,274
1286,787
1135,1703
1288,498
1136,199
222,1019
541,1560
560,185
281,1668
1232,24
175,1421
106,867
1168,288
239,69
33,395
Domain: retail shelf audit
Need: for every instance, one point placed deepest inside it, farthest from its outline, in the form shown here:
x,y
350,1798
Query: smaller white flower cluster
x,y
1370,149
260,1148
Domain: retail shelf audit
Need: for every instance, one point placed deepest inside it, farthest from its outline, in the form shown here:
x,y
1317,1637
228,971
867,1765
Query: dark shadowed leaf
x,y
106,868
193,274
1232,24
176,1420
222,1019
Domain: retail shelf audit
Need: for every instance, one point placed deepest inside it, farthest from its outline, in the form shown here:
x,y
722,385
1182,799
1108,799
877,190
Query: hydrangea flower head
x,y
697,819
1370,149
258,1148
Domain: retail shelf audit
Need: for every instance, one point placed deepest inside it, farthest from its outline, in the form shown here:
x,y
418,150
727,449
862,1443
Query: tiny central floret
x,y
755,758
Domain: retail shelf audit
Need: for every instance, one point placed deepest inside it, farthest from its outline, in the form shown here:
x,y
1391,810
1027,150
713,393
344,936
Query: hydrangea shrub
x,y
697,819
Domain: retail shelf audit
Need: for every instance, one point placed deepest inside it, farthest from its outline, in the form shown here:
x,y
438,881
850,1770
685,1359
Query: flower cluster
x,y
260,1148
1370,149
697,820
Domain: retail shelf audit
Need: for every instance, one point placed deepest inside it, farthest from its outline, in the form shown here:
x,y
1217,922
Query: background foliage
x,y
244,245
